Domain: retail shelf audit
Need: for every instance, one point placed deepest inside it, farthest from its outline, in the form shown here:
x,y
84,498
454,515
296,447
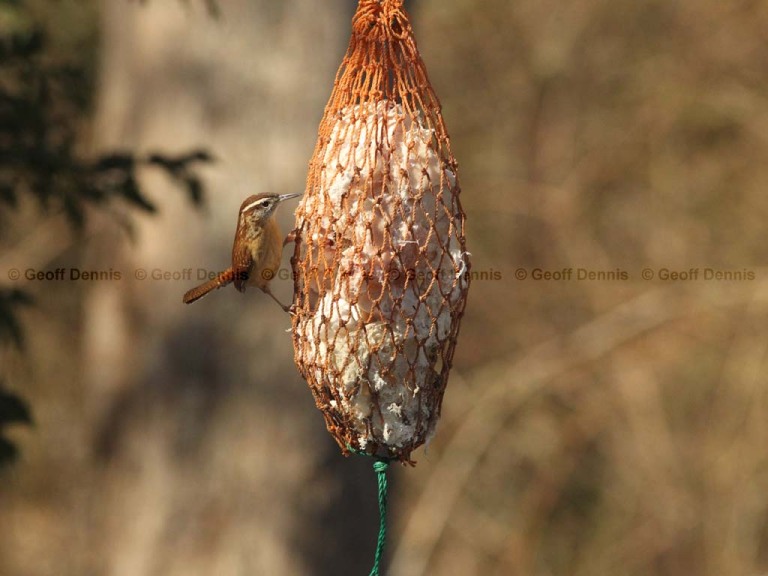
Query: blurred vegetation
x,y
46,92
602,428
13,410
589,428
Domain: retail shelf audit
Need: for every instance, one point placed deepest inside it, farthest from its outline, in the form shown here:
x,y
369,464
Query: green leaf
x,y
10,327
130,191
8,452
115,161
13,410
8,194
194,189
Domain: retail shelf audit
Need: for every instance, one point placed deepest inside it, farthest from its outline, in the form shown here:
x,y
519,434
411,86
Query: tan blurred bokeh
x,y
603,427
590,427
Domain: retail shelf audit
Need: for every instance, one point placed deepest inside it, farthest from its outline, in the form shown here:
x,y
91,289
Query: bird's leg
x,y
290,238
269,292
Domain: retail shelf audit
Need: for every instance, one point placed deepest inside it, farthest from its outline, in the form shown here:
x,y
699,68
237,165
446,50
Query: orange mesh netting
x,y
380,264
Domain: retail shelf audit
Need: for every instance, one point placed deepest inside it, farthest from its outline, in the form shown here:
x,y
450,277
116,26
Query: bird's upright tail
x,y
221,280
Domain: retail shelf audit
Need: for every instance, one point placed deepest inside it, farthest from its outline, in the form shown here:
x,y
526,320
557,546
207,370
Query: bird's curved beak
x,y
289,196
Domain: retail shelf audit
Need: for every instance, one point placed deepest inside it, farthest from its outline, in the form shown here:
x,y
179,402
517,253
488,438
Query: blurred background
x,y
609,426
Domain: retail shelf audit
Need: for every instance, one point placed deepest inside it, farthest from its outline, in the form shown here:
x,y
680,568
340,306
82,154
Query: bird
x,y
256,251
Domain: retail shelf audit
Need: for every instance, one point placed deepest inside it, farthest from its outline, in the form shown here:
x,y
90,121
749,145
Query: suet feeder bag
x,y
380,265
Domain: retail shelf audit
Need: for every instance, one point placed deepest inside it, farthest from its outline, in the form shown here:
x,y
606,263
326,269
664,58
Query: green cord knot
x,y
380,467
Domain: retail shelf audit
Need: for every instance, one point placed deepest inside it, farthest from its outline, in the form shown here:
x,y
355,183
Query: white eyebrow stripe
x,y
252,204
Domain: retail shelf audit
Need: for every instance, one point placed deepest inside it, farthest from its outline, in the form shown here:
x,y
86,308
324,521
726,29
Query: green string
x,y
380,467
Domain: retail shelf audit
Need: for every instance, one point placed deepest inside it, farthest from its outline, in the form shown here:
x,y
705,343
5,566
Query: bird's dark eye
x,y
262,204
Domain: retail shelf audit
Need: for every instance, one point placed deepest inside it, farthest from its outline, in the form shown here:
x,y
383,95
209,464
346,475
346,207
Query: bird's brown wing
x,y
241,264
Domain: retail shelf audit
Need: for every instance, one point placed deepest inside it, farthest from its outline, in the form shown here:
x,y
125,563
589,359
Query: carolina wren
x,y
256,251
